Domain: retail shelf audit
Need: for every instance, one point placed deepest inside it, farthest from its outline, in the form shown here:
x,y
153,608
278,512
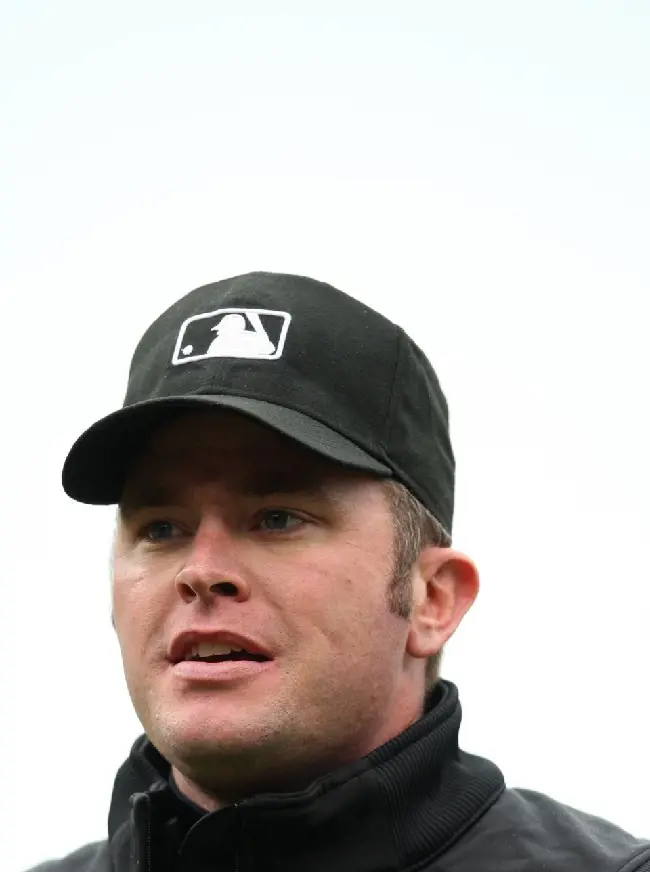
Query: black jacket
x,y
415,803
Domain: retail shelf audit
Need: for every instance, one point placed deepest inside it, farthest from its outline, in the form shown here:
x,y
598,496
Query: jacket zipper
x,y
141,849
148,840
237,832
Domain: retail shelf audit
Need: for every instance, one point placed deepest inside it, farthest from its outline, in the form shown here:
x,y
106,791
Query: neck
x,y
263,775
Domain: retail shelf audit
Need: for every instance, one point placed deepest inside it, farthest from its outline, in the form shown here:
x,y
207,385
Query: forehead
x,y
231,449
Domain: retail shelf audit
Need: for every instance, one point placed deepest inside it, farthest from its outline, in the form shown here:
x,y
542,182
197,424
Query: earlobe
x,y
445,585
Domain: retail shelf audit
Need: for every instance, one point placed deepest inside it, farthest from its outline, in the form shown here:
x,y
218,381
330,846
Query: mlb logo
x,y
256,334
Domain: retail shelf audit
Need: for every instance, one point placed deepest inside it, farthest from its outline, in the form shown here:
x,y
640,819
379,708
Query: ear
x,y
445,585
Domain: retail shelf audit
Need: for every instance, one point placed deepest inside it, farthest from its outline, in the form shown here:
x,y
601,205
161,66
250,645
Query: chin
x,y
192,731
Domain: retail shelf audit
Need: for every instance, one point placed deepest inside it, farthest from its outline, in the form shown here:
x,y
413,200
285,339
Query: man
x,y
283,587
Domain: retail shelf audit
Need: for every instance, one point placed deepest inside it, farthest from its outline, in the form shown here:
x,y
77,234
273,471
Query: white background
x,y
476,171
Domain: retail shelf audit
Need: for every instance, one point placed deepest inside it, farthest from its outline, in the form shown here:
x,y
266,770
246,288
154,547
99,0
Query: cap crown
x,y
307,346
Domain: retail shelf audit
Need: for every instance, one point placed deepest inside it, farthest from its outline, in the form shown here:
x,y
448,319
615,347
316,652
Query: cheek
x,y
338,588
138,603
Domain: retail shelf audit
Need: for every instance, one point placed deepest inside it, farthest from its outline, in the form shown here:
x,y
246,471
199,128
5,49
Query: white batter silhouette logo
x,y
256,334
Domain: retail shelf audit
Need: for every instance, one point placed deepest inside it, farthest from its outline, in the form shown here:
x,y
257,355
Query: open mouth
x,y
218,647
233,655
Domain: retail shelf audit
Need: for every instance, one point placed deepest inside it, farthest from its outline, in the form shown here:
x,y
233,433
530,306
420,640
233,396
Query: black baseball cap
x,y
296,354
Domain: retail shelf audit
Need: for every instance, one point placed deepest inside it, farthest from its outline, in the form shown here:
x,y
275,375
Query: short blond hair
x,y
415,527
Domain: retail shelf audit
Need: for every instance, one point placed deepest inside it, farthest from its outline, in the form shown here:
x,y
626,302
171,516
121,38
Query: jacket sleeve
x,y
91,858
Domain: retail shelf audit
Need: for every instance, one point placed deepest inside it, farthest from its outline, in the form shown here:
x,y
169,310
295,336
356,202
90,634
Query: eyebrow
x,y
151,495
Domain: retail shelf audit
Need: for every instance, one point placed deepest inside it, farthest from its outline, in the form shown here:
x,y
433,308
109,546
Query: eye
x,y
278,520
159,531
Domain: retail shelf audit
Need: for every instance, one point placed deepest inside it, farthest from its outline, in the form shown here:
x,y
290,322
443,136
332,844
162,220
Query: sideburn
x,y
400,593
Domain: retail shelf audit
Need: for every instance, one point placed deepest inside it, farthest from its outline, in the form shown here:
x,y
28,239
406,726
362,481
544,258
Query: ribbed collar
x,y
406,802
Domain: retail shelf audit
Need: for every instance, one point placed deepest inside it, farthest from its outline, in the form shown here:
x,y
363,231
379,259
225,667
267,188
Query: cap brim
x,y
98,462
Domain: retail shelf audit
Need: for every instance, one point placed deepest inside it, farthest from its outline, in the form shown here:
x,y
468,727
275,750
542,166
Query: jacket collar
x,y
404,803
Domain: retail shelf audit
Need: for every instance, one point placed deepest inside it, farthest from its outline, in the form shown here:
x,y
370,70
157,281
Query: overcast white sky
x,y
476,171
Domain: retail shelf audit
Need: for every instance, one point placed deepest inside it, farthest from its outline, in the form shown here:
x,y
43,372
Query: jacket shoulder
x,y
524,826
93,857
586,833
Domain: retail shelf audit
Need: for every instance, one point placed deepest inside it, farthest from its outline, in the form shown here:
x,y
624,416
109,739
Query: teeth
x,y
205,649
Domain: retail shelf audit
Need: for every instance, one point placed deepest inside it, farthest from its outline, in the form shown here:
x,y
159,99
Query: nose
x,y
212,569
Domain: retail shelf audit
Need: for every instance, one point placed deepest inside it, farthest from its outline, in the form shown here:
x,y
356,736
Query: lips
x,y
183,643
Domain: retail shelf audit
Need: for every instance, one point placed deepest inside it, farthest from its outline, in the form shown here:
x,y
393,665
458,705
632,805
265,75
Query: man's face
x,y
227,526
